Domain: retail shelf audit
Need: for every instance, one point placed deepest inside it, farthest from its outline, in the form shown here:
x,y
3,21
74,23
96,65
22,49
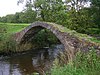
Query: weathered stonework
x,y
70,42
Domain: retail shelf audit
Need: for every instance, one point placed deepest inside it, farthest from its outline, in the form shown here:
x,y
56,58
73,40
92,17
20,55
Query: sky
x,y
9,7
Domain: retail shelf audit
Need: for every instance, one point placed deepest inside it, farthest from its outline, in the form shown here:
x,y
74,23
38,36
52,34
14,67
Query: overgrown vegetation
x,y
76,34
83,64
7,30
45,38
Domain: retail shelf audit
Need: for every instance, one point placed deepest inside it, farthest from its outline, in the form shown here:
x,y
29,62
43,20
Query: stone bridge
x,y
70,41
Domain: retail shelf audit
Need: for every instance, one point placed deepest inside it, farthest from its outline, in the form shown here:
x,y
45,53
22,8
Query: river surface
x,y
34,61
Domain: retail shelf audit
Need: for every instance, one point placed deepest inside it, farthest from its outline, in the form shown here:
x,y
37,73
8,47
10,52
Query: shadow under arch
x,y
41,37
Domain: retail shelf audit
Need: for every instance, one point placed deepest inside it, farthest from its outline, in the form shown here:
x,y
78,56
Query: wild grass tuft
x,y
83,64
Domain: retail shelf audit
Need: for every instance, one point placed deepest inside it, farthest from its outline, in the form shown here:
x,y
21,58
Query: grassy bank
x,y
6,32
11,28
83,64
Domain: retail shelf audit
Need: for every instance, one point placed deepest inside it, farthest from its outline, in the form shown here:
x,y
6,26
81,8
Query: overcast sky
x,y
9,7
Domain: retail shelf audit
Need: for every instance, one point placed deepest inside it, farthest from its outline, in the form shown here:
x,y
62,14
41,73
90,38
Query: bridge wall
x,y
70,42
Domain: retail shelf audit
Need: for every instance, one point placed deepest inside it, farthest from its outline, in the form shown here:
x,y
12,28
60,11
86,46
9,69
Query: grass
x,y
6,31
83,64
76,34
13,27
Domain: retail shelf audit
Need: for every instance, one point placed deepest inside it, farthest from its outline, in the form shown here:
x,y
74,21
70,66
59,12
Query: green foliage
x,y
44,38
3,19
83,64
80,20
49,9
95,10
28,16
5,40
12,28
6,31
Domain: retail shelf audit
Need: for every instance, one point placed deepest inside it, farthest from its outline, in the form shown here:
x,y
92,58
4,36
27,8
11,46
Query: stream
x,y
33,62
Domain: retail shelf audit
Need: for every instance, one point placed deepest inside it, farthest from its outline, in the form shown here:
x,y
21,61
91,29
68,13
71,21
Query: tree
x,y
28,16
10,18
0,19
76,4
95,7
81,21
46,9
3,19
16,17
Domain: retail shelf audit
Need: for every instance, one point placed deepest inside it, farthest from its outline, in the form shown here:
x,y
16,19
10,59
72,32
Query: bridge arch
x,y
29,32
71,43
65,38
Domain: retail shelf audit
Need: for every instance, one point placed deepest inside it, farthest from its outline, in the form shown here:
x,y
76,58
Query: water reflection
x,y
31,62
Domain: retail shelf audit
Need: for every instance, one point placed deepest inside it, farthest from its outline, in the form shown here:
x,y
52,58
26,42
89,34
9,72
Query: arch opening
x,y
40,37
45,38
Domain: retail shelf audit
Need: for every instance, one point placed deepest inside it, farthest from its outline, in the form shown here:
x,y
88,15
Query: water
x,y
35,61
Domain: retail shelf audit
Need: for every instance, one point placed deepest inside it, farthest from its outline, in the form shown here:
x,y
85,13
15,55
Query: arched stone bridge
x,y
70,41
